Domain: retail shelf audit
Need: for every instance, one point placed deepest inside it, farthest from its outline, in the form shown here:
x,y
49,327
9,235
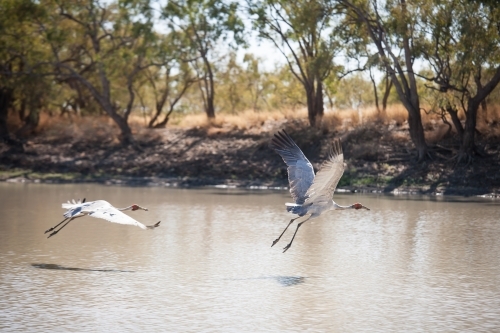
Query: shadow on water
x,y
285,281
63,268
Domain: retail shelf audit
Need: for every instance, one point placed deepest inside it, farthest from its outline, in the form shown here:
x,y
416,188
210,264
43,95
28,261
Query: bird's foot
x,y
275,241
286,247
49,230
52,234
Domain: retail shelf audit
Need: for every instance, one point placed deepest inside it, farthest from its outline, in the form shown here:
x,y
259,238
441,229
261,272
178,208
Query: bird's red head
x,y
136,207
359,206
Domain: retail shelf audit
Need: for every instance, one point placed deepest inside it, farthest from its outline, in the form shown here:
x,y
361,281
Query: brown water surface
x,y
409,265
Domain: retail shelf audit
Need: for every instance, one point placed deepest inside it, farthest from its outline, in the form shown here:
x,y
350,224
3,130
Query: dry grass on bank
x,y
103,128
332,119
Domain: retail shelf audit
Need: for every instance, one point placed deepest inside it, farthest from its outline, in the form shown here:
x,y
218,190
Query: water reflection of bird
x,y
312,195
99,209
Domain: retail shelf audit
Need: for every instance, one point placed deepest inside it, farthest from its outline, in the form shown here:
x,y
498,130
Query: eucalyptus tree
x,y
463,49
208,26
103,46
392,26
169,84
304,32
357,49
169,79
24,85
257,82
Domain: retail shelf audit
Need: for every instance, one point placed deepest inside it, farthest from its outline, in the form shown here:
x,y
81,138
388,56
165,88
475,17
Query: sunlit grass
x,y
241,121
102,127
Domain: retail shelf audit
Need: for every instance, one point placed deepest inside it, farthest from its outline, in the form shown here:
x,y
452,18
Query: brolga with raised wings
x,y
312,194
99,209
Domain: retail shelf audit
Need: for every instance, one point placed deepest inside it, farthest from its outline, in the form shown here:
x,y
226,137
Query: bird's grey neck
x,y
339,207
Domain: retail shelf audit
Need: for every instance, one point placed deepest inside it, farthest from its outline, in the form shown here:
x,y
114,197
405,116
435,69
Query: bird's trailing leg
x,y
71,219
298,226
49,230
277,239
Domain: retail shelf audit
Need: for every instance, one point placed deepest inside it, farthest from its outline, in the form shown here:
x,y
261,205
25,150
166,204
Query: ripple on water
x,y
407,265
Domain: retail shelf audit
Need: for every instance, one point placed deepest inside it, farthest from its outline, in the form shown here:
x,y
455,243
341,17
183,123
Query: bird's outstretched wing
x,y
300,170
328,176
112,214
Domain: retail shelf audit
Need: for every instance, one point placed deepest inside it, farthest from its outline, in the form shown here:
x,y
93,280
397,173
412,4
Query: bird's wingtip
x,y
157,224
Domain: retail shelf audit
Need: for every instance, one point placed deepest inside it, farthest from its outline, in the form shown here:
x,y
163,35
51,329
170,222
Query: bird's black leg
x,y
55,226
55,232
298,226
277,239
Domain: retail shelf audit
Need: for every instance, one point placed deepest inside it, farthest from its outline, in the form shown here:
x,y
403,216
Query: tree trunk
x,y
375,92
468,141
468,144
311,110
31,122
210,106
163,123
315,105
151,123
403,79
388,86
159,108
5,101
456,122
125,136
22,109
319,105
210,109
417,132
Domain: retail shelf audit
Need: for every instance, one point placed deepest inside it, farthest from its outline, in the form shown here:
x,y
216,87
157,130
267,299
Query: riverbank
x,y
378,156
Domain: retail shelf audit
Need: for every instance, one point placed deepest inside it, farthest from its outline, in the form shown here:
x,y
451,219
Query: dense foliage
x,y
155,58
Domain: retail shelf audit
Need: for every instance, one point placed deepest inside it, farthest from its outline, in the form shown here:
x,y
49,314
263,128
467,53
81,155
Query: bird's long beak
x,y
365,207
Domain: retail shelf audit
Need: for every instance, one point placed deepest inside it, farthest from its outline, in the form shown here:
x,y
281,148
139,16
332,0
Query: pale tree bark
x,y
308,55
401,72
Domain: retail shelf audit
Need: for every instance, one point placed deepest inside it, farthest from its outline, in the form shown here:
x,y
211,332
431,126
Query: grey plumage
x,y
300,170
312,194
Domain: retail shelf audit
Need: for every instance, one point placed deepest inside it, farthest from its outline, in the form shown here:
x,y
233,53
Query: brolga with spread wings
x,y
99,209
312,194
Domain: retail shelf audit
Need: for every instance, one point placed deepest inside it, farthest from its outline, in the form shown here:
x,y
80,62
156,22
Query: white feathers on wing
x,y
99,209
328,176
112,214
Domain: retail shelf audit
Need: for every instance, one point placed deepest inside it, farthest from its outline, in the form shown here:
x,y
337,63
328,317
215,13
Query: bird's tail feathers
x,y
157,224
293,208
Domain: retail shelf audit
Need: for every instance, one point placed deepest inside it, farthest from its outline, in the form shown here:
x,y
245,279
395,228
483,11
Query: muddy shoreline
x,y
378,160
